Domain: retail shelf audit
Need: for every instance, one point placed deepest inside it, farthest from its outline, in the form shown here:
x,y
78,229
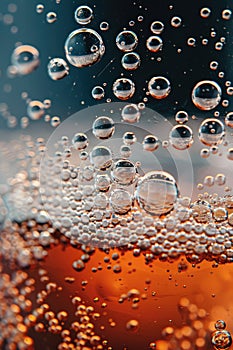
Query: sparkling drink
x,y
116,204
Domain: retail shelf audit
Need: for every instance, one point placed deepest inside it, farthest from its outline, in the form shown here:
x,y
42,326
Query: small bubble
x,y
35,110
221,340
132,325
25,58
211,132
181,117
157,27
206,95
150,143
98,92
127,41
181,137
103,128
51,17
176,21
226,14
205,12
131,113
229,120
159,87
39,8
104,26
101,157
129,138
154,43
120,201
131,61
80,141
57,69
83,15
123,88
55,121
123,172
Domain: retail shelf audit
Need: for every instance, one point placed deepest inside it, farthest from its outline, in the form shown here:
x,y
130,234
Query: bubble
x,y
131,61
205,12
125,151
120,201
191,41
218,46
83,15
157,192
57,68
150,143
213,65
181,137
51,17
123,88
132,325
127,41
176,21
104,26
181,117
55,121
219,325
226,14
123,172
131,113
206,95
84,47
25,58
157,27
211,132
39,8
101,157
154,43
129,138
230,153
229,119
102,182
80,141
35,110
230,91
220,214
221,340
98,92
159,87
201,211
103,128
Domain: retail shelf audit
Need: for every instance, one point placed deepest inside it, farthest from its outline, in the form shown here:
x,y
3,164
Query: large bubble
x,y
84,47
